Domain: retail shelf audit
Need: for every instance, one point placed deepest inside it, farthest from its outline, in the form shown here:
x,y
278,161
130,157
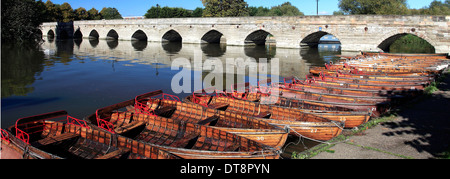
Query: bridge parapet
x,y
356,33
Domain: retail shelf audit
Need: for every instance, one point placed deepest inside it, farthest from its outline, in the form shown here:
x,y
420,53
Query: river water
x,y
83,75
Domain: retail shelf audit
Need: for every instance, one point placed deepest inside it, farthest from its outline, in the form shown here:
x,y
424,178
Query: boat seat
x,y
218,105
128,127
165,111
53,139
112,154
263,114
186,142
208,120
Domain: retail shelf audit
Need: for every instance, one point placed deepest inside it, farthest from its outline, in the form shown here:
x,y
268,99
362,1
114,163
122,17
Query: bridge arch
x,y
172,36
212,36
385,42
139,35
259,37
51,34
77,34
112,35
94,34
313,38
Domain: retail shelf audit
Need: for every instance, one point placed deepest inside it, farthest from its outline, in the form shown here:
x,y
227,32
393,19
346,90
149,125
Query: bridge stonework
x,y
356,33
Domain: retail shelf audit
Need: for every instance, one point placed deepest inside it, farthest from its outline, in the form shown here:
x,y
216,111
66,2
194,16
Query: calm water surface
x,y
85,75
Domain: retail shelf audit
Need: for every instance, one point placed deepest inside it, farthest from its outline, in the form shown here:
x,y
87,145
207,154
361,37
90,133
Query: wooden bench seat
x,y
110,155
164,111
218,105
53,139
263,114
208,120
129,126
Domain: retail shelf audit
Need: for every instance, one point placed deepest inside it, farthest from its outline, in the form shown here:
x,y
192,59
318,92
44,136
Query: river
x,y
83,75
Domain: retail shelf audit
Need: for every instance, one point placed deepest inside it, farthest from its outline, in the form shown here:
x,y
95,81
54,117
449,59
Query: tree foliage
x,y
411,44
390,7
285,9
168,12
110,13
20,20
373,6
225,8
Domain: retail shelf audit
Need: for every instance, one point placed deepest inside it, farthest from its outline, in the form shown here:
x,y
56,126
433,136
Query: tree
x,y
153,12
167,12
198,12
285,9
93,14
381,7
337,13
81,14
225,8
20,21
67,12
110,13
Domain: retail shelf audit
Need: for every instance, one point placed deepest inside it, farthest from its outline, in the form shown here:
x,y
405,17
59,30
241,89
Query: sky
x,y
140,7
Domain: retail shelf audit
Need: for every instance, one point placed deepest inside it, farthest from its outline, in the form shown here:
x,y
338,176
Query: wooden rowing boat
x,y
412,77
264,96
184,139
292,83
164,105
40,137
319,82
274,115
318,70
367,81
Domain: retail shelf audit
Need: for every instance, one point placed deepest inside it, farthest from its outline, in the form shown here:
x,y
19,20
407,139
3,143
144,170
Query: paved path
x,y
421,131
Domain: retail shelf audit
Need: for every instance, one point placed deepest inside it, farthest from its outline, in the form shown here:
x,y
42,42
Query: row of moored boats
x,y
252,122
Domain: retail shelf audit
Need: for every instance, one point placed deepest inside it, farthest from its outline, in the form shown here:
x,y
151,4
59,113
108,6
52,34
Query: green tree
x,y
381,7
198,12
285,9
53,12
93,14
67,12
336,13
110,13
20,21
225,8
81,14
258,11
153,12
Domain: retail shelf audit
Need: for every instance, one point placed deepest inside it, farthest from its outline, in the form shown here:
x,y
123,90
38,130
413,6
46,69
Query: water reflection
x,y
20,66
83,75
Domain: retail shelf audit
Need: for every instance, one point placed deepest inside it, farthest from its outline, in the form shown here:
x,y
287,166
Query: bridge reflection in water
x,y
83,75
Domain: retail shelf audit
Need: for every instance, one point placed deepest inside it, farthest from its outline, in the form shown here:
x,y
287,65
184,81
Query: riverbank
x,y
417,130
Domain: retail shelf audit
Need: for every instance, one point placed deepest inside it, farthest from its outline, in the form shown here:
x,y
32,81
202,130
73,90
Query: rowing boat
x,y
184,139
165,105
57,135
294,119
295,84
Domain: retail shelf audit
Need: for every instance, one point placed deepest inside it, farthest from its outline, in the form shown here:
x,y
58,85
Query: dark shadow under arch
x,y
51,34
212,36
313,40
172,36
78,34
94,35
414,44
112,35
139,35
259,37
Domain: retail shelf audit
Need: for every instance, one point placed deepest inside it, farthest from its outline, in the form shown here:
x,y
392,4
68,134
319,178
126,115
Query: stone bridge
x,y
355,33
